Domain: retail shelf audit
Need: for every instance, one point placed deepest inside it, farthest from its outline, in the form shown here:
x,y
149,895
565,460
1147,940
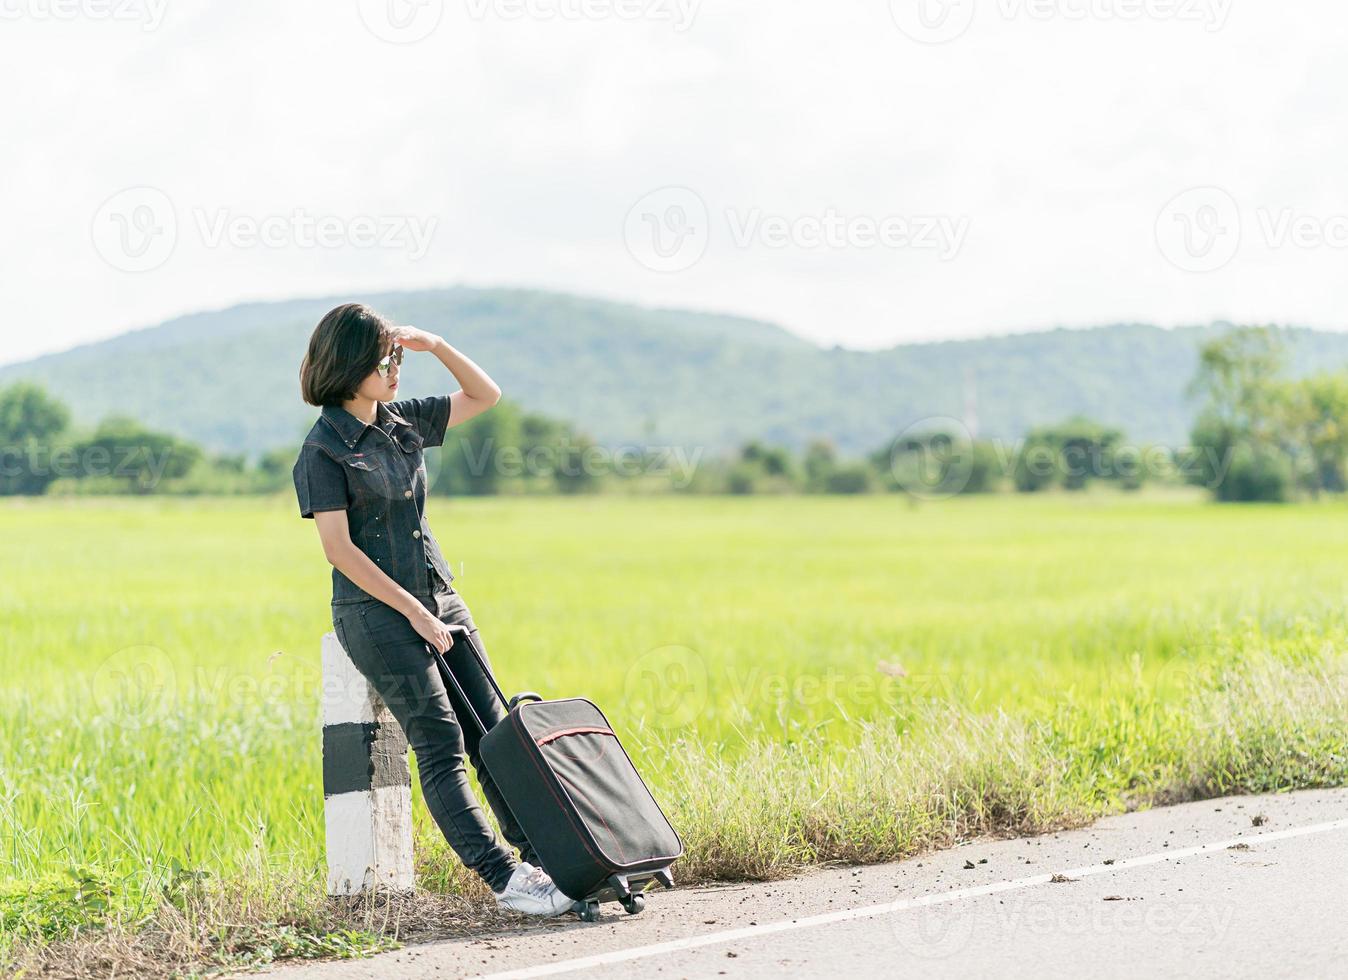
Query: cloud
x,y
527,138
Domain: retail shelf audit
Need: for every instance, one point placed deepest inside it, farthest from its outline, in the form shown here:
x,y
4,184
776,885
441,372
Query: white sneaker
x,y
532,892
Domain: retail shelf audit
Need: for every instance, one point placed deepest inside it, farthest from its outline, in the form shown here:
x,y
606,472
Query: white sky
x,y
1048,135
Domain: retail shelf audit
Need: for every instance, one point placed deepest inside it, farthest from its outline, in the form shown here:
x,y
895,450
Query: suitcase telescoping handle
x,y
461,633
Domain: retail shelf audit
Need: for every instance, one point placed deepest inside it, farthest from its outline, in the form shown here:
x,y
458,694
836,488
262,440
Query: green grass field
x,y
801,679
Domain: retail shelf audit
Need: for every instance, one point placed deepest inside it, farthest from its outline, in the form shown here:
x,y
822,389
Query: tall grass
x,y
776,808
801,680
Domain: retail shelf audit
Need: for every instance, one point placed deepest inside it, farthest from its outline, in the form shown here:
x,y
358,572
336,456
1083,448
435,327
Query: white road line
x,y
901,905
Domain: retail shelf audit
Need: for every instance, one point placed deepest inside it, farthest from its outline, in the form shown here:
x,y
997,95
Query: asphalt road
x,y
1242,887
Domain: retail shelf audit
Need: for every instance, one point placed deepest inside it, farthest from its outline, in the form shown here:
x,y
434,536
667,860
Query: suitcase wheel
x,y
634,903
588,911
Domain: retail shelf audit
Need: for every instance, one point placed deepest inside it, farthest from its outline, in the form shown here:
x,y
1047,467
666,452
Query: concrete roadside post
x,y
367,786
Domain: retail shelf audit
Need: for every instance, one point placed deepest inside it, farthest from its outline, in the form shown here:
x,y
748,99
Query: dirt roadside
x,y
1238,886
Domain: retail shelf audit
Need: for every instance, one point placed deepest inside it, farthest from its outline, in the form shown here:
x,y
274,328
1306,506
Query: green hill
x,y
229,379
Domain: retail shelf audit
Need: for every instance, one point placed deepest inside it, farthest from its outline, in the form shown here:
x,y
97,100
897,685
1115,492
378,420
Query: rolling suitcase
x,y
573,789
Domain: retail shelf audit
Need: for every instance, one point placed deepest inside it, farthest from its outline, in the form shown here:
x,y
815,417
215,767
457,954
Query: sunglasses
x,y
396,357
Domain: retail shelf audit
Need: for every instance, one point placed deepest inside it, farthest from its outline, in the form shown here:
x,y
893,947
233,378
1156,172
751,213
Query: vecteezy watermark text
x,y
299,229
937,457
137,230
678,463
669,687
941,930
669,230
941,233
679,13
148,13
410,21
138,463
1211,14
940,21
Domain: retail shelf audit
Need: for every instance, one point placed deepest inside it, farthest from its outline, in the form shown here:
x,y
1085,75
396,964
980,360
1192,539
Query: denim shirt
x,y
376,473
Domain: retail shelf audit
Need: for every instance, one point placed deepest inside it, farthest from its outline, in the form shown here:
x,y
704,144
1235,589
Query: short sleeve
x,y
429,416
320,483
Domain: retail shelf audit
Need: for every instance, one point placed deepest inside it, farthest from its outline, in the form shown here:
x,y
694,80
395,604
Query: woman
x,y
361,477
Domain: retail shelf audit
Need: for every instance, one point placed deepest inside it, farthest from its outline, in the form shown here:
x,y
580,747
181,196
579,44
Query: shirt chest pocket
x,y
411,443
367,476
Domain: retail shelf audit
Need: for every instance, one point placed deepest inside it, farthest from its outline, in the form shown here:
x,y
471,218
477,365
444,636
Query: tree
x,y
850,478
772,460
821,459
938,464
482,456
508,450
1313,417
274,468
761,468
124,449
576,470
1239,438
742,479
1236,375
31,426
1072,454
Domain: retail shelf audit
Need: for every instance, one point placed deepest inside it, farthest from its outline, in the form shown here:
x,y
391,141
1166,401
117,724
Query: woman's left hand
x,y
413,338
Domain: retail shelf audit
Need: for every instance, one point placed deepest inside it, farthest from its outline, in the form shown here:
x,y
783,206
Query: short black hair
x,y
345,347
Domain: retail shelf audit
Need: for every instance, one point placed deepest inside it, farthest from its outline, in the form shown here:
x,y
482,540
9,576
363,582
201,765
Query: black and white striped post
x,y
367,787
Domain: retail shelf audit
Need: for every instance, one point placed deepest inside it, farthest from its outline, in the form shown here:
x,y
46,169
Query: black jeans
x,y
392,655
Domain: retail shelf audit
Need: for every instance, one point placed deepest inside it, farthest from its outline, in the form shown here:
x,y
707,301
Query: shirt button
x,y
416,534
407,494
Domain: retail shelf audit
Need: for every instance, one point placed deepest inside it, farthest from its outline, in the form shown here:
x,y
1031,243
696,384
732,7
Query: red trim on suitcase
x,y
580,730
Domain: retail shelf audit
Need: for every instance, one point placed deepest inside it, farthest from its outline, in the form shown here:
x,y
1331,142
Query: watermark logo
x,y
1177,684
1199,230
136,230
1204,228
932,21
668,229
134,687
667,687
148,13
401,21
933,459
932,931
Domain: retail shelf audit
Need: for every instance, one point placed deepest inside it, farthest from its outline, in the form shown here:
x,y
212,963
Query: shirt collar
x,y
350,429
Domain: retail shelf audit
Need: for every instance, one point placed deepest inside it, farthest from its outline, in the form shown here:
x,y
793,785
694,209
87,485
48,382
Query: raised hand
x,y
414,338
